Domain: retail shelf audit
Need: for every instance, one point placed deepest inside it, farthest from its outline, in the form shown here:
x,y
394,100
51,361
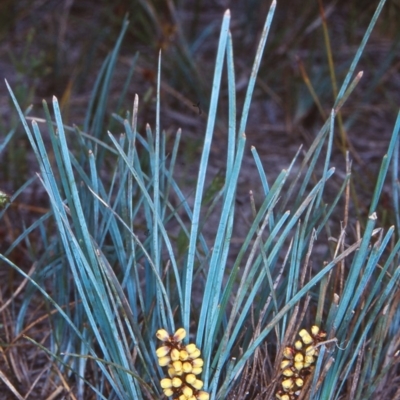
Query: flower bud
x,y
176,382
198,362
197,370
197,384
179,335
299,382
183,355
288,353
168,392
187,391
162,351
287,372
166,383
287,384
195,354
202,395
190,348
298,344
177,366
171,372
190,378
174,355
285,364
162,334
164,361
311,351
283,396
187,367
305,336
299,365
308,359
315,330
298,357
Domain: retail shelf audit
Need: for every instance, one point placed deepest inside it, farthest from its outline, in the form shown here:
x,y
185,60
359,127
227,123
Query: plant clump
x,y
298,363
183,363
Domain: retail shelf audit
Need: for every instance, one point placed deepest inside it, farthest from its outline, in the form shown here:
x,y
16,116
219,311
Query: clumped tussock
x,y
295,308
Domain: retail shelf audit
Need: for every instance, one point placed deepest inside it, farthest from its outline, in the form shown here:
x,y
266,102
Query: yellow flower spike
x,y
201,395
298,357
176,382
299,382
162,351
187,391
315,330
179,335
190,348
288,372
298,344
166,383
285,364
197,384
183,355
177,366
162,334
305,337
168,392
190,378
197,370
174,355
164,361
198,362
171,372
287,384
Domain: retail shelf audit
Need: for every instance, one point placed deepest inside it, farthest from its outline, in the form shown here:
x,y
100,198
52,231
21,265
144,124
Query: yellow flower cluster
x,y
183,363
297,363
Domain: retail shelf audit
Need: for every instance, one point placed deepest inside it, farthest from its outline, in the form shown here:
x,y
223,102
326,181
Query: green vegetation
x,y
126,252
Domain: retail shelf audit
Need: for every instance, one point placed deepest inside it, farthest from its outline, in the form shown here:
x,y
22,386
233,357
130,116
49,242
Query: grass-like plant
x,y
112,276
